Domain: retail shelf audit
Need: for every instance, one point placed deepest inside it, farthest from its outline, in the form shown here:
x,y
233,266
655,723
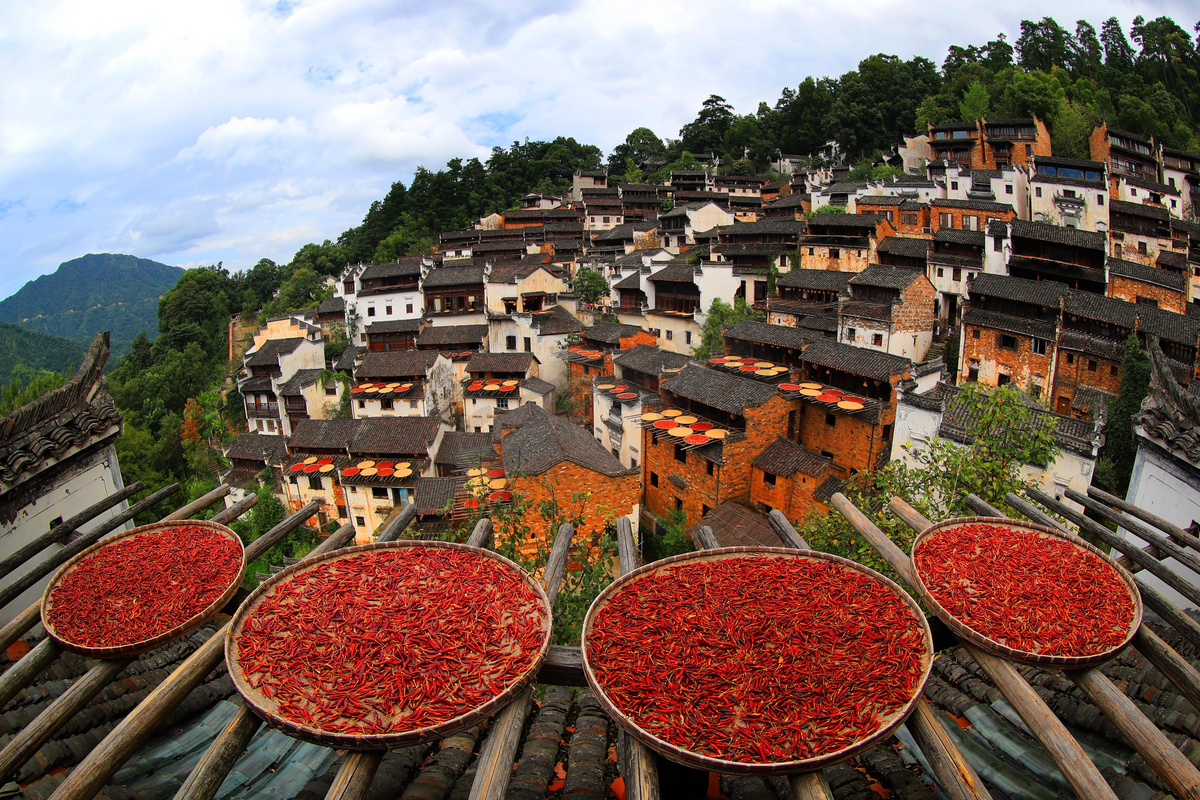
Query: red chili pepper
x,y
1027,590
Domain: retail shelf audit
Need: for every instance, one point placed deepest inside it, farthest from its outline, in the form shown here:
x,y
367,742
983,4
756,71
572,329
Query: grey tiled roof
x,y
971,205
680,273
298,382
405,267
332,305
737,526
556,321
609,332
464,450
452,335
1138,210
1094,345
1057,234
821,279
500,362
434,494
762,333
844,221
396,364
956,236
1139,272
538,441
784,225
784,457
831,486
1043,329
631,281
395,326
270,351
511,273
887,277
258,447
1042,293
720,390
380,436
454,276
856,360
905,246
538,385
345,362
1155,321
650,360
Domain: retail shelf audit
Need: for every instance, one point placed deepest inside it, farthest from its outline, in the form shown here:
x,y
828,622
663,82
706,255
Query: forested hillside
x,y
92,293
35,352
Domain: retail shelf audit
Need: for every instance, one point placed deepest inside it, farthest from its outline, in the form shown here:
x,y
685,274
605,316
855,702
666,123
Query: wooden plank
x,y
353,780
481,535
982,507
214,766
638,765
1142,559
66,528
186,511
21,674
1152,744
1033,513
19,625
1160,541
499,750
98,767
396,524
1174,531
563,667
56,560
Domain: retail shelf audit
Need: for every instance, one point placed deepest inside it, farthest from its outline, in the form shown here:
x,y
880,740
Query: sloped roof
x,y
845,220
395,326
270,351
467,275
1043,293
737,526
500,362
762,333
650,360
300,381
631,281
784,225
511,273
463,450
784,457
971,205
1057,234
856,360
1138,210
555,321
257,447
537,385
887,277
345,362
1139,272
820,279
451,335
610,332
332,305
679,273
536,441
956,236
905,246
405,267
431,495
382,436
721,390
396,364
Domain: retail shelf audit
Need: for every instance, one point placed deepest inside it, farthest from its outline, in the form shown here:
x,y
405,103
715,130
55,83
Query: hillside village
x,y
480,360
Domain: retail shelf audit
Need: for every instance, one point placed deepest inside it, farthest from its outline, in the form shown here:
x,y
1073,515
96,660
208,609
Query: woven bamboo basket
x,y
267,707
706,762
983,641
145,645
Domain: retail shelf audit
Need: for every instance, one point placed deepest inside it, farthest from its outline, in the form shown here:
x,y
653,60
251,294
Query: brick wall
x,y
1075,369
957,214
792,495
599,498
1022,364
630,342
1127,245
1130,290
851,442
915,312
849,259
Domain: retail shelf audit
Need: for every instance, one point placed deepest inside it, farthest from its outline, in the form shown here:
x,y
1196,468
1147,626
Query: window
x,y
408,308
1099,199
827,454
1133,192
1006,341
997,245
835,252
680,454
704,510
670,335
687,337
1035,390
1037,191
1147,301
370,311
945,220
362,403
1002,379
709,467
387,310
510,342
975,333
679,504
769,478
1142,248
528,345
957,275
877,339
654,479
1117,250
501,402
385,403
973,370
851,333
379,492
1008,188
812,251
830,420
941,272
1039,347
1113,369
1070,358
360,522
908,219
331,390
970,222
1091,365
954,185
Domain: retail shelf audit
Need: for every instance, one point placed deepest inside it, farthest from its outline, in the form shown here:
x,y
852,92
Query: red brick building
x,y
843,242
787,477
1161,286
990,144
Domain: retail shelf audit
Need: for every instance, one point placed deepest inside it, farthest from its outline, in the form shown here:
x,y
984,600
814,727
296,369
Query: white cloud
x,y
233,130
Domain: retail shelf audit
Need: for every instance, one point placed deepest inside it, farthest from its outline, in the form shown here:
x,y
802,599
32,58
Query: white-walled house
x,y
407,383
498,382
544,334
270,365
376,293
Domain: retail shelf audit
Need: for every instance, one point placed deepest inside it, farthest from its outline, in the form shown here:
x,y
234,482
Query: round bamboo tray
x,y
145,645
996,648
705,762
266,707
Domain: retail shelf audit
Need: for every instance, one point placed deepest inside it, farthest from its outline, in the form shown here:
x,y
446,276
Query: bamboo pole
x,y
499,750
1075,766
396,524
210,772
353,780
29,667
784,530
204,501
1160,541
982,507
639,769
1033,513
56,560
1138,556
236,510
65,528
1150,742
19,625
1174,531
91,775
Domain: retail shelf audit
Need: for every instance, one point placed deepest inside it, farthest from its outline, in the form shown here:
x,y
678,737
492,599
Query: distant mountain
x,y
96,292
22,346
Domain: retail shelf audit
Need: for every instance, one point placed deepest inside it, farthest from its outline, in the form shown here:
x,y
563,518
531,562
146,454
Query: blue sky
x,y
229,131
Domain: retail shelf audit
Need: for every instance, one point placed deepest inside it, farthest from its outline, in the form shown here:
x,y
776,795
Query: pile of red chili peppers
x,y
393,640
1026,590
757,659
143,586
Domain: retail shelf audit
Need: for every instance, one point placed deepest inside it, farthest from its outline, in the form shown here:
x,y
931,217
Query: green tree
x,y
829,208
1120,444
706,133
720,316
674,540
975,104
589,285
304,289
642,145
27,385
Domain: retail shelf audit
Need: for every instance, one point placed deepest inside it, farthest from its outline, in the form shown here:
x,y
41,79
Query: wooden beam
x,y
353,780
21,674
56,560
982,507
186,511
1165,546
19,625
214,766
227,515
1174,531
396,523
1033,513
481,536
269,539
65,528
563,667
785,531
638,765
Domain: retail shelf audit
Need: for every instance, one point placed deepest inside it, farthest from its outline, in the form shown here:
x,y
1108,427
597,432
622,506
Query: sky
x,y
230,131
